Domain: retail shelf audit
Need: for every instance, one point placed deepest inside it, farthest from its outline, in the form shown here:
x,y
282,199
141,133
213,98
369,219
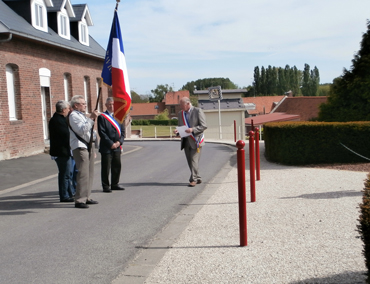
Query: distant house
x,y
260,120
260,105
146,110
46,55
225,115
171,102
306,107
289,109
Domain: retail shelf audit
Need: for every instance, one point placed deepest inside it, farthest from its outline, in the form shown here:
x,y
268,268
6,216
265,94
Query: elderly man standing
x,y
80,131
61,152
194,120
111,135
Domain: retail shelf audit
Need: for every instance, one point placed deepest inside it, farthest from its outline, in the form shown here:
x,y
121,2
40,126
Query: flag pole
x,y
97,101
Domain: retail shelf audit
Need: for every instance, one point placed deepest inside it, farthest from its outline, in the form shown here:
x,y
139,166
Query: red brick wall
x,y
25,136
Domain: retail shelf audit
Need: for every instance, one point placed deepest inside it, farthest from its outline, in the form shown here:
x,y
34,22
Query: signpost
x,y
215,94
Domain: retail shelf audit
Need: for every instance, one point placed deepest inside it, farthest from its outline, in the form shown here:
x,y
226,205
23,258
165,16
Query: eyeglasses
x,y
82,104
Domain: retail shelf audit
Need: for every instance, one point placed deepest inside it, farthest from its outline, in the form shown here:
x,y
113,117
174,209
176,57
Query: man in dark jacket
x,y
61,152
111,138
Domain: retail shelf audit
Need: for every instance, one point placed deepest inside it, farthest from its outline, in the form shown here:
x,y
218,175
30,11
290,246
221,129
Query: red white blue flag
x,y
114,72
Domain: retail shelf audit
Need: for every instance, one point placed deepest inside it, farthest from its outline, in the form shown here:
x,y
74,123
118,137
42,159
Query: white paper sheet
x,y
181,130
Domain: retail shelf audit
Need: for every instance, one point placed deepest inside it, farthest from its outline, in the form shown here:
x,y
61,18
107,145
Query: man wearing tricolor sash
x,y
111,138
195,121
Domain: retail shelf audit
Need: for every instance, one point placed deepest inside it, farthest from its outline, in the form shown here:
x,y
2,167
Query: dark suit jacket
x,y
197,121
109,135
59,136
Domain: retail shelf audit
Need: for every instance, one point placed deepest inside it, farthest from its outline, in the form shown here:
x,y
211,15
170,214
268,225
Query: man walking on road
x,y
80,132
61,152
195,121
111,138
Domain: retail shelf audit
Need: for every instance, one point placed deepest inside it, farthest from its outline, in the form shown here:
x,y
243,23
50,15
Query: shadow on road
x,y
25,203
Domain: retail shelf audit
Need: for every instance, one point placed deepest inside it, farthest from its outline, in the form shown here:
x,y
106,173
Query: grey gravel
x,y
301,229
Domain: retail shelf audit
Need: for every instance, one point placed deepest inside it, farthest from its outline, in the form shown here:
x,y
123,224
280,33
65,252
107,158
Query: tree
x,y
282,84
295,81
204,84
162,116
257,80
323,90
306,80
263,89
349,97
159,93
136,98
314,81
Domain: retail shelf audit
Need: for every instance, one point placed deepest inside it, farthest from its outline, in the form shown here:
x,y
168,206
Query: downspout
x,y
10,36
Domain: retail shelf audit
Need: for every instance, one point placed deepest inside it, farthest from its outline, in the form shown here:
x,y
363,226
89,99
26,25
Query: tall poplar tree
x,y
306,80
257,80
263,81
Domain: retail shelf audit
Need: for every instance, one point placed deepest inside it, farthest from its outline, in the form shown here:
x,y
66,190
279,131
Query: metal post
x,y
219,118
234,130
252,166
242,193
257,155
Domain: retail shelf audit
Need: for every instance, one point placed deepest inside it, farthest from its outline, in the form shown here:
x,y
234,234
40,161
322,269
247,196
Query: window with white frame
x,y
11,93
63,24
84,34
39,16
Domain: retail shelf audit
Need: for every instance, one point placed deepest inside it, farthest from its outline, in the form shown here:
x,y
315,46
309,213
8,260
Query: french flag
x,y
114,73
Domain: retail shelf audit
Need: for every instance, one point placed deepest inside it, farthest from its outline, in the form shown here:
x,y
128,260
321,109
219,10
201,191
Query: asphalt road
x,y
45,241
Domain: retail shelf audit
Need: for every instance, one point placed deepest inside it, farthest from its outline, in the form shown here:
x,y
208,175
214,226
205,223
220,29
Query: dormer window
x,y
64,12
63,27
39,17
81,23
84,34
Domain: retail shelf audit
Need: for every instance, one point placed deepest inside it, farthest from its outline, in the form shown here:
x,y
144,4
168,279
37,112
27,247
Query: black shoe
x,y
199,181
68,200
118,188
92,202
106,190
81,205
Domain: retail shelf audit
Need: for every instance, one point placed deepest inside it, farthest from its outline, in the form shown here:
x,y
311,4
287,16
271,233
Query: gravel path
x,y
301,229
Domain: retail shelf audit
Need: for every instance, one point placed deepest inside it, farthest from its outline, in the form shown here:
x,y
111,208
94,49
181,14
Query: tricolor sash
x,y
113,122
186,122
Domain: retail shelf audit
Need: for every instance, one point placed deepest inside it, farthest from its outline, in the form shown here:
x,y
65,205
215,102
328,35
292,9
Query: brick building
x,y
171,102
46,55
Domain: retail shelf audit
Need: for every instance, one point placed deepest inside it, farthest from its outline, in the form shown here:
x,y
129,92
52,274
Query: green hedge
x,y
154,122
300,143
364,226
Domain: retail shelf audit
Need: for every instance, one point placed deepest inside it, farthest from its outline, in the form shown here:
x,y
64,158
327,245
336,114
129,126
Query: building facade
x,y
46,55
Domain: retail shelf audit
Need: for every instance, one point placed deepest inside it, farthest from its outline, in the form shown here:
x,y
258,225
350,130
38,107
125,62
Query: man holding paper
x,y
192,123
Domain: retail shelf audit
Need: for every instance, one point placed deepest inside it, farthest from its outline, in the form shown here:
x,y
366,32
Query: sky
x,y
174,42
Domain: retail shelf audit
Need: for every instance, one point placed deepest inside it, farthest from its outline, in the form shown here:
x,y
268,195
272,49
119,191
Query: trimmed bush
x,y
364,227
300,143
154,122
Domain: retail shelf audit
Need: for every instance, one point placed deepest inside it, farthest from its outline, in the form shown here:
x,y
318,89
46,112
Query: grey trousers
x,y
85,174
193,157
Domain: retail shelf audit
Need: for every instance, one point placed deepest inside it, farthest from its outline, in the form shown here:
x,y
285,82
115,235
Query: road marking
x,y
53,176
